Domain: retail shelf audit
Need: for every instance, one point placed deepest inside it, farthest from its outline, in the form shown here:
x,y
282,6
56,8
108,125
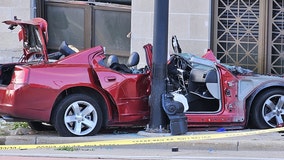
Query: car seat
x,y
65,49
113,63
112,59
133,59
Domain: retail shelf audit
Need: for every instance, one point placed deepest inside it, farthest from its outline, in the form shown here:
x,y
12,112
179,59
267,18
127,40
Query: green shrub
x,y
20,125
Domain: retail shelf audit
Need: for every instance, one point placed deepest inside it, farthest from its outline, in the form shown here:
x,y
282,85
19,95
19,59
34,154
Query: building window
x,y
250,33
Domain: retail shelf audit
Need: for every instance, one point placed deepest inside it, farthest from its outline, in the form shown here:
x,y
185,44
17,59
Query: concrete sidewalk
x,y
261,142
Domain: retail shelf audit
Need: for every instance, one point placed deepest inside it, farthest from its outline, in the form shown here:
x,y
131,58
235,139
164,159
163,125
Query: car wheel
x,y
40,126
78,115
268,109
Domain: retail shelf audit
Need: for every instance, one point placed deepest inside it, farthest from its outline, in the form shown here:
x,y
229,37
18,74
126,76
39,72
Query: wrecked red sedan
x,y
79,92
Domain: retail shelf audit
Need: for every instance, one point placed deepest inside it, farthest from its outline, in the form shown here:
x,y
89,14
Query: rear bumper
x,y
24,103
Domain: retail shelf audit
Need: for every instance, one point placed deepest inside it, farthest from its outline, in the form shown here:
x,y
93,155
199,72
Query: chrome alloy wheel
x,y
80,118
273,110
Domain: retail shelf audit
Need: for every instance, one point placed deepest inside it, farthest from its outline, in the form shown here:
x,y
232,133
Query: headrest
x,y
133,59
111,60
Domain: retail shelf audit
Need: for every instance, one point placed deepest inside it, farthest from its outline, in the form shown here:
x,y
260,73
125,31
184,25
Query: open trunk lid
x,y
34,35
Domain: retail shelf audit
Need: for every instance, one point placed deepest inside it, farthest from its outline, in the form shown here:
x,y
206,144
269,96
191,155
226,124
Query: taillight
x,y
20,75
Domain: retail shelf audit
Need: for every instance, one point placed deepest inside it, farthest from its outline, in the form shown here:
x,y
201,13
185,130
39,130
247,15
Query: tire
x,y
268,109
40,126
77,115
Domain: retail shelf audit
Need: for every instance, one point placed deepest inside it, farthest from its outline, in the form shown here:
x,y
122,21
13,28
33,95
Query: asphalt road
x,y
36,158
130,154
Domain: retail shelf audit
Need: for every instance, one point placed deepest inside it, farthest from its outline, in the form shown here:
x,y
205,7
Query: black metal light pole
x,y
159,66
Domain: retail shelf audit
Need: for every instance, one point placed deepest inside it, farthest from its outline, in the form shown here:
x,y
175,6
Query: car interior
x,y
130,67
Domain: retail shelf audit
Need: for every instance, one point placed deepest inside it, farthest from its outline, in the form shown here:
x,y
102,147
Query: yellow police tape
x,y
151,140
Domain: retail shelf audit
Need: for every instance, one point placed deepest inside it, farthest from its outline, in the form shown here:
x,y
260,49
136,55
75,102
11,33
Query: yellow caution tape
x,y
151,140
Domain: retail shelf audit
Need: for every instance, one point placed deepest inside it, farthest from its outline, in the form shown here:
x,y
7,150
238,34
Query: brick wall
x,y
10,47
188,19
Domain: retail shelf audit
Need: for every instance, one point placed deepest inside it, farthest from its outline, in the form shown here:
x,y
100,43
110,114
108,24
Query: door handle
x,y
110,79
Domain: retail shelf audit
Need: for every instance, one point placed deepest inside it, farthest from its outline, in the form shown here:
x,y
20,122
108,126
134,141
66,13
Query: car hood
x,y
34,35
211,61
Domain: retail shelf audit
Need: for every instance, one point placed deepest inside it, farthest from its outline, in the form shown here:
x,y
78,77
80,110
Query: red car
x,y
78,93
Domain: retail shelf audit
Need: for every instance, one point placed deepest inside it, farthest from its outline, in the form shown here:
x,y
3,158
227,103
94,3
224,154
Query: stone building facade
x,y
189,20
